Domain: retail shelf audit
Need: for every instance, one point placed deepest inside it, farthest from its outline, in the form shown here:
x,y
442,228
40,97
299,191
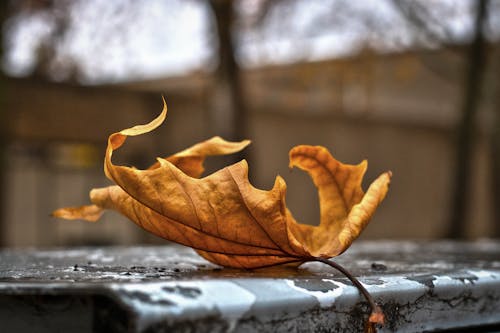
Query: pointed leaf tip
x,y
153,124
90,213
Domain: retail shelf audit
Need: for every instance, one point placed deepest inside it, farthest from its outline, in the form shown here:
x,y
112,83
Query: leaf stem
x,y
376,316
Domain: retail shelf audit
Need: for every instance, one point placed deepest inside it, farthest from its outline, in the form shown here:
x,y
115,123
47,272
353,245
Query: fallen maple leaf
x,y
222,216
225,218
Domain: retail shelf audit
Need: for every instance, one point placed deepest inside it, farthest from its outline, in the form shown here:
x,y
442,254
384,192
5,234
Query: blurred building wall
x,y
396,110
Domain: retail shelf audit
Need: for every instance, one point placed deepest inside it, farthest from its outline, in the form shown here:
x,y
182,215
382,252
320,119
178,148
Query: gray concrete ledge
x,y
428,286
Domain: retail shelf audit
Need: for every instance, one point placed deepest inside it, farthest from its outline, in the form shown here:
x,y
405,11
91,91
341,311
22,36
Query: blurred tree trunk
x,y
495,154
465,132
228,112
3,130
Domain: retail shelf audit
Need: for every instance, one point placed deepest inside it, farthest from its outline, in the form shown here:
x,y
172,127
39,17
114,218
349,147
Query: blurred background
x,y
412,86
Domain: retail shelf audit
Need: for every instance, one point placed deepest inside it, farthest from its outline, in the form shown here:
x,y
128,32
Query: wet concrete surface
x,y
422,286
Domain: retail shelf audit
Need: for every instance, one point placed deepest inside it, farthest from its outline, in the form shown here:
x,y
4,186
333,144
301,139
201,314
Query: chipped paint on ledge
x,y
185,300
325,298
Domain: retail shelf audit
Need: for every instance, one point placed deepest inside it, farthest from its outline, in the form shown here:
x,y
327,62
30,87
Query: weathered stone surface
x,y
421,286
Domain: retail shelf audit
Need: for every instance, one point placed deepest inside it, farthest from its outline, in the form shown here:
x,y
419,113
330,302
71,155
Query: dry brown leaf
x,y
222,216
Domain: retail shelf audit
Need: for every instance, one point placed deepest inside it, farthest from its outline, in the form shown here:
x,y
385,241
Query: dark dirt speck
x,y
378,267
184,291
